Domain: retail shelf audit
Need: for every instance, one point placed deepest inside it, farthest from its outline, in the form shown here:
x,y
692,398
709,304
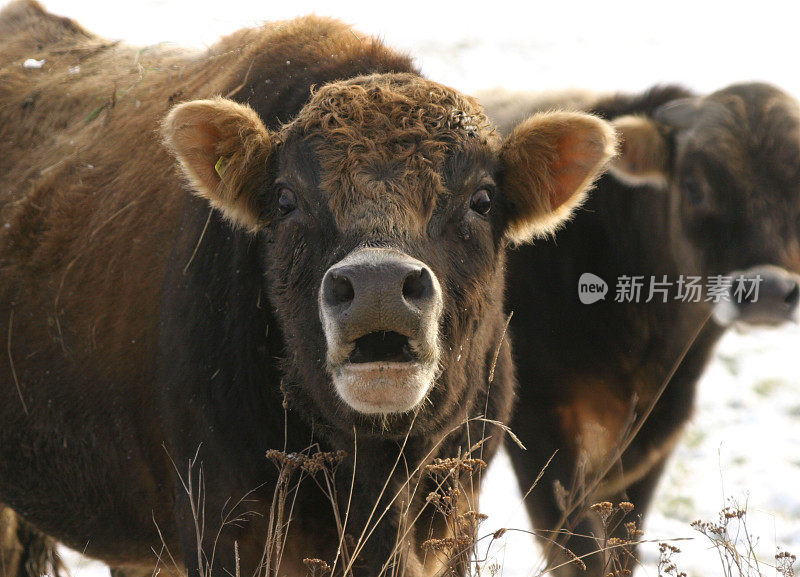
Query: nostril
x,y
342,289
416,284
793,297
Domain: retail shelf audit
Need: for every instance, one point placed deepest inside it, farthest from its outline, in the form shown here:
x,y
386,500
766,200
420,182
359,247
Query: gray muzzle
x,y
760,296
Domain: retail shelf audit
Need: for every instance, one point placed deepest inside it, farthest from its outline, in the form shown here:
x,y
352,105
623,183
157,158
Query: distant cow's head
x,y
383,209
731,161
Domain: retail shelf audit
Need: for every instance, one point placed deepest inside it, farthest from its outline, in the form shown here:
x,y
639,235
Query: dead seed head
x,y
447,544
667,548
573,558
470,521
732,513
456,466
784,563
473,516
320,461
617,542
323,461
317,567
633,531
603,509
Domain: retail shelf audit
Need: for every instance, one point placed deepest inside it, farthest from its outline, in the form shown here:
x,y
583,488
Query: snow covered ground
x,y
742,444
743,441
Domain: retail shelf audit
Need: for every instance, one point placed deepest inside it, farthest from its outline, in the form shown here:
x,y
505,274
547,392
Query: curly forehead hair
x,y
400,126
389,108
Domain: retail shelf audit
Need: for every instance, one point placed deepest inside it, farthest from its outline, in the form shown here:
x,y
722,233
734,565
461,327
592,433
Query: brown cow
x,y
703,187
334,284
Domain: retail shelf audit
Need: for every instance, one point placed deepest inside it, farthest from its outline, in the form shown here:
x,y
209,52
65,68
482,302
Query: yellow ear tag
x,y
220,165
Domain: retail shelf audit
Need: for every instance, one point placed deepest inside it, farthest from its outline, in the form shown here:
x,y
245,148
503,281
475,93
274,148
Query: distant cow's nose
x,y
792,299
379,290
774,300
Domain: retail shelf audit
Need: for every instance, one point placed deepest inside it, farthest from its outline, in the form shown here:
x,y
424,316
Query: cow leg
x,y
578,535
240,547
640,494
10,547
24,550
545,512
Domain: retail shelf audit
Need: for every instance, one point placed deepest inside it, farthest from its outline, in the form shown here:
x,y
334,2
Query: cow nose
x,y
773,297
779,290
793,298
340,288
417,286
376,290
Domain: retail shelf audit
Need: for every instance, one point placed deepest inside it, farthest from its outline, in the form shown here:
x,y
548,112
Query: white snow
x,y
33,63
744,438
742,443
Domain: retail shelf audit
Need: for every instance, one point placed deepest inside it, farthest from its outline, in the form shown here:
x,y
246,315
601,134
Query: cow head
x,y
731,162
383,209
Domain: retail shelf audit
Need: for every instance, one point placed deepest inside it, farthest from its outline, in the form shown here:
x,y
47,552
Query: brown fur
x,y
144,330
355,116
594,420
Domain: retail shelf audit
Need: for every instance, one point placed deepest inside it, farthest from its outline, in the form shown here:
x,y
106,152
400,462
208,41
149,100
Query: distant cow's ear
x,y
643,152
223,148
549,163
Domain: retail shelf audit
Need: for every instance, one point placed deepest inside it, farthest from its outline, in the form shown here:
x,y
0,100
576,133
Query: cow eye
x,y
287,201
693,191
481,201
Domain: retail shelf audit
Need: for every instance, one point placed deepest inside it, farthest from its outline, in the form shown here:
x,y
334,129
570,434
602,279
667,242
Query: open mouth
x,y
382,347
383,375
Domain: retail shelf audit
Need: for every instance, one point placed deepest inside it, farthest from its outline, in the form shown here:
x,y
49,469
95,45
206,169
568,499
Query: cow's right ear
x,y
223,148
643,152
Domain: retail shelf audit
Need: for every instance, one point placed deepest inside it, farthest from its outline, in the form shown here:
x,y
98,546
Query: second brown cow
x,y
706,194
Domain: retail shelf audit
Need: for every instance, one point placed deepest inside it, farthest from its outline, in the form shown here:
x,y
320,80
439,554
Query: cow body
x,y
159,342
608,363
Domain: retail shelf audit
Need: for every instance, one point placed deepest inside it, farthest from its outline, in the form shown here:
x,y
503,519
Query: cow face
x,y
383,209
731,162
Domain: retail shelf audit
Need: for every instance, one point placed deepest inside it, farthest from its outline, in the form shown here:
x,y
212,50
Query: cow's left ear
x,y
222,148
643,154
549,162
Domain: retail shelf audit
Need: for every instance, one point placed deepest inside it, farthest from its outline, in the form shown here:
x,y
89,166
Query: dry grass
x,y
463,551
454,481
731,539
